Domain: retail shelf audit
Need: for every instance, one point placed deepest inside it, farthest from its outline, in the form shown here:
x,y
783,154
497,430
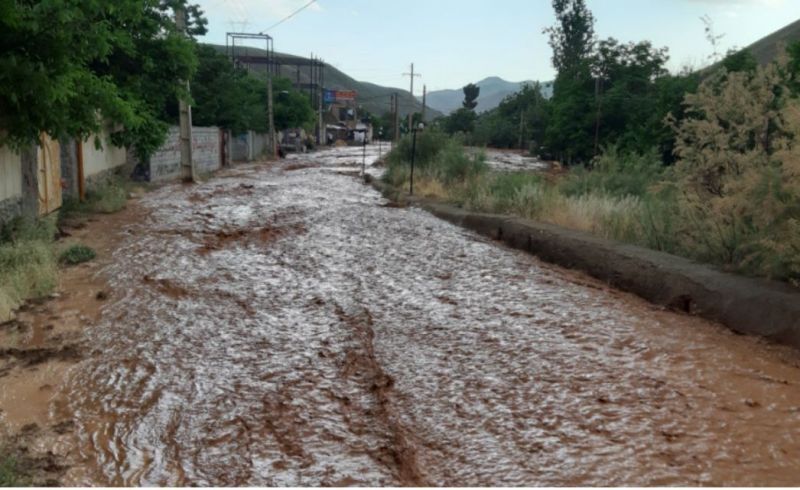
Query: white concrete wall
x,y
10,174
165,164
206,149
98,160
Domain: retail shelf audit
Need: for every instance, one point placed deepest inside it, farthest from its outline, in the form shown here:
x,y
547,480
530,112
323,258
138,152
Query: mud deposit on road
x,y
37,350
363,344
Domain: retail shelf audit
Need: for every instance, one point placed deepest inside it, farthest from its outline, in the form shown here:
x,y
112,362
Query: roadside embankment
x,y
745,305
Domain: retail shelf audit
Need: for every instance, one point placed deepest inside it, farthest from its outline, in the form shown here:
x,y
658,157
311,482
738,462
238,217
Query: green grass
x,y
9,474
77,254
438,157
28,267
28,259
108,198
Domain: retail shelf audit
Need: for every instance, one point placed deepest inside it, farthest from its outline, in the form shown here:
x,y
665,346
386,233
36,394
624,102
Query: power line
x,y
273,26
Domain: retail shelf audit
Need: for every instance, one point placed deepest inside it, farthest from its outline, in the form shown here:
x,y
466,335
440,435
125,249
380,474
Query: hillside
x,y
493,91
374,98
765,50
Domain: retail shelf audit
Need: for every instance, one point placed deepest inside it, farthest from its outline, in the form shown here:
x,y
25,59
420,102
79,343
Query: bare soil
x,y
45,340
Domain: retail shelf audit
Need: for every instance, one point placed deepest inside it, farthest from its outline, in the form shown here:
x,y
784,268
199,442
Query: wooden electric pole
x,y
597,116
424,96
273,144
185,112
396,117
411,111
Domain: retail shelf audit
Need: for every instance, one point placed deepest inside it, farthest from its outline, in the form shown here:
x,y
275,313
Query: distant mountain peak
x,y
493,90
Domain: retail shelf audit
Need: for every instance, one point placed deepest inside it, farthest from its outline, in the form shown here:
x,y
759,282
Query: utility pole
x,y
396,117
424,96
273,146
411,111
185,112
321,139
597,116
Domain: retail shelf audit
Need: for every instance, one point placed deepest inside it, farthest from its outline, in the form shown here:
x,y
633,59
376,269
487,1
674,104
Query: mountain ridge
x,y
493,90
372,97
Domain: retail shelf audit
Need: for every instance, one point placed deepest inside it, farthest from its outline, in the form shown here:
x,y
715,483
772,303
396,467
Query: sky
x,y
455,42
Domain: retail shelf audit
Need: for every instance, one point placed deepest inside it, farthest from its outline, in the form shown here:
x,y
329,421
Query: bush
x,y
9,474
429,145
108,198
22,229
455,165
438,157
77,254
616,174
27,264
506,188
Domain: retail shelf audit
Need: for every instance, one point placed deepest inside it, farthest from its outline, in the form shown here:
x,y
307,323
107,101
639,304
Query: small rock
x,y
752,403
102,296
55,295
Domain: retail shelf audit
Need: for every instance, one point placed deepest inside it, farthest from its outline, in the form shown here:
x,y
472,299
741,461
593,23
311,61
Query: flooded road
x,y
284,326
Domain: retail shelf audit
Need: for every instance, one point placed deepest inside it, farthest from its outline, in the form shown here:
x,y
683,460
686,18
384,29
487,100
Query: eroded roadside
x,y
47,338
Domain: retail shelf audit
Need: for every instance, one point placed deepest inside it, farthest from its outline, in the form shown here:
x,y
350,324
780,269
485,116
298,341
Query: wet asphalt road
x,y
283,326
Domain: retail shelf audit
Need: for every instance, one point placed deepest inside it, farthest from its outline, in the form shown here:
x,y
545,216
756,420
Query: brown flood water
x,y
286,327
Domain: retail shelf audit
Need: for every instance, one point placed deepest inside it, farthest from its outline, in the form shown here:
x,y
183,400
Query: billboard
x,y
332,96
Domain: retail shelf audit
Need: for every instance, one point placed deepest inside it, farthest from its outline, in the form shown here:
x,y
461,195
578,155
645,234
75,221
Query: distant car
x,y
293,142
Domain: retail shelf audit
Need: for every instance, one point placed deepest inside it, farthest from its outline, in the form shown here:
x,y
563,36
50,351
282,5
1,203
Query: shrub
x,y
27,270
429,145
77,254
9,473
107,198
23,229
616,174
438,157
27,264
739,173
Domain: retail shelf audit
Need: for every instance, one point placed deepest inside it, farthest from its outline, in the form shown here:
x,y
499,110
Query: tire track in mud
x,y
361,362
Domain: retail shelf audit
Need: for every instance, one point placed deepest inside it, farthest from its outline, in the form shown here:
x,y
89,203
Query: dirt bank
x,y
47,338
746,305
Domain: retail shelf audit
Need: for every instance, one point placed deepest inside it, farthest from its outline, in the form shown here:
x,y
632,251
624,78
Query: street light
x,y
414,153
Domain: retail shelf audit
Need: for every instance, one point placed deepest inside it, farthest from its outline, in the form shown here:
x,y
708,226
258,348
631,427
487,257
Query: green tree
x,y
67,68
460,121
570,131
739,171
471,94
740,61
292,108
226,96
521,116
149,66
572,38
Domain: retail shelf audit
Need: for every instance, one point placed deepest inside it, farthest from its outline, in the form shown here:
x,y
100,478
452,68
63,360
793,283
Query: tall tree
x,y
572,38
471,94
570,133
68,67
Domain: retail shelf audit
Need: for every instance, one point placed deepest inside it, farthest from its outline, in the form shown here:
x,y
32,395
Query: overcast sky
x,y
454,42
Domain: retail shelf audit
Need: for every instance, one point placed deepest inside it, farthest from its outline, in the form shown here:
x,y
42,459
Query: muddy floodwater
x,y
284,325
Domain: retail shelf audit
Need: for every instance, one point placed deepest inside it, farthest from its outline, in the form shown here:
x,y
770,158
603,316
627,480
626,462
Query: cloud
x,y
741,3
254,13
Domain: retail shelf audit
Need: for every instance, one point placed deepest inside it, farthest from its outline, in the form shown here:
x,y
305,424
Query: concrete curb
x,y
745,305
